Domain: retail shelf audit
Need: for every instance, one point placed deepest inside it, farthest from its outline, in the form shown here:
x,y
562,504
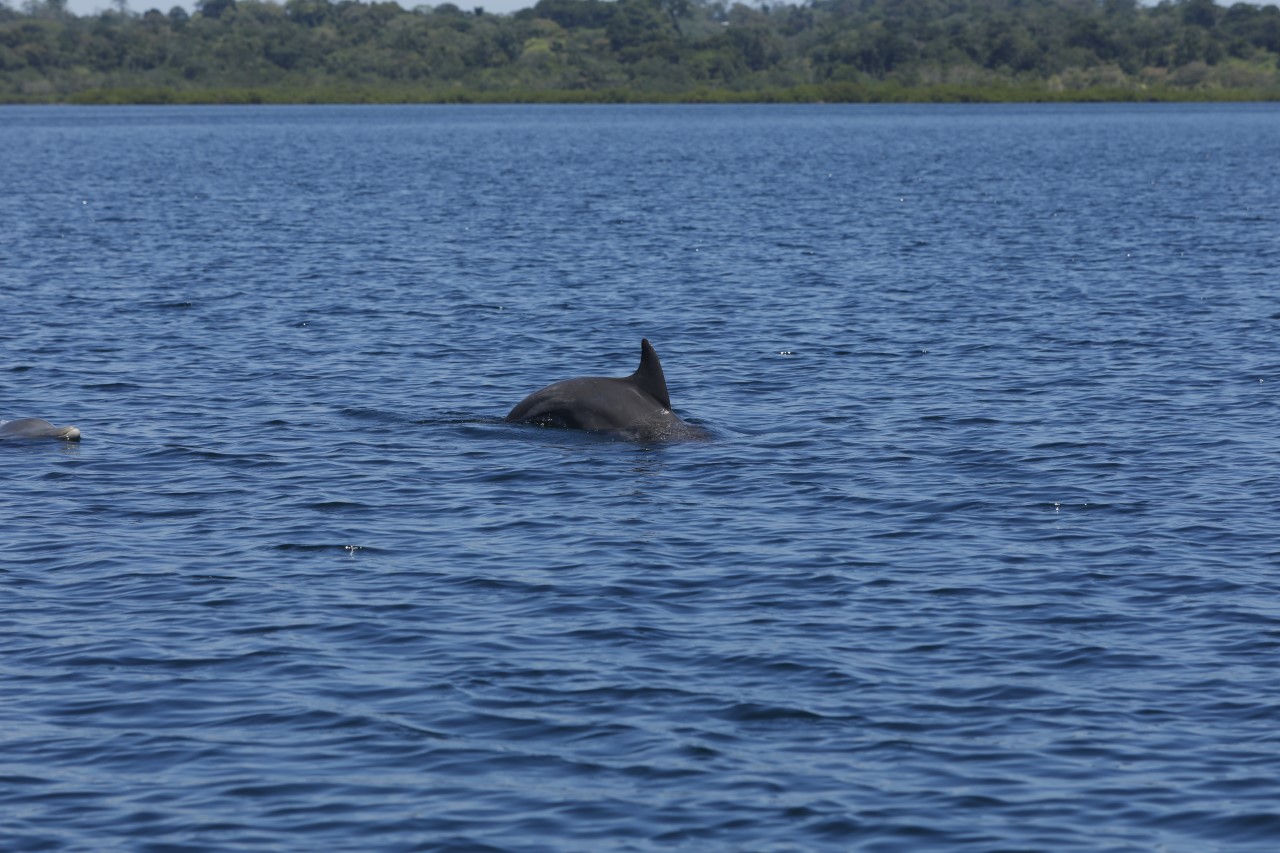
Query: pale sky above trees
x,y
86,7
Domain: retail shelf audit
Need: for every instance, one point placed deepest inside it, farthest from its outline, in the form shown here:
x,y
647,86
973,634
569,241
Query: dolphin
x,y
636,406
37,428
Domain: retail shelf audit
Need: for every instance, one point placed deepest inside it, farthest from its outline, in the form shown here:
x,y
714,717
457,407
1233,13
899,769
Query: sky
x,y
86,7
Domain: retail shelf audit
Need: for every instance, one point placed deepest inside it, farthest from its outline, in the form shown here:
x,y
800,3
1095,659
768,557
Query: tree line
x,y
565,50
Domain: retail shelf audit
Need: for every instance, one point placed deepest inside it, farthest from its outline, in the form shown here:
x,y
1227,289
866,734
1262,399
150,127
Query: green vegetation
x,y
313,51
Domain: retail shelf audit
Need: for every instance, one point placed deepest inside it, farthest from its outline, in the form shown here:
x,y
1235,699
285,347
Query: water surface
x,y
982,555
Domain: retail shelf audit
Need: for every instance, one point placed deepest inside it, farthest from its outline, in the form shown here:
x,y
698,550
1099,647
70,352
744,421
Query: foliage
x,y
594,50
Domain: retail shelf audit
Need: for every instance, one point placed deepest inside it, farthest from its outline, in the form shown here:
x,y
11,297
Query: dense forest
x,y
618,50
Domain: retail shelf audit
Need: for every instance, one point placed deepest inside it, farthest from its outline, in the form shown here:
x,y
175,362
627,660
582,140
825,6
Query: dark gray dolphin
x,y
37,428
636,406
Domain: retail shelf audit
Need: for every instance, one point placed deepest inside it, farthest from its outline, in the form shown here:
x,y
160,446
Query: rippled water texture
x,y
982,555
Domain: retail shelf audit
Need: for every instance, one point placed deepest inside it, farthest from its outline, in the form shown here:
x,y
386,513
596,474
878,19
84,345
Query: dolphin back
x,y
636,406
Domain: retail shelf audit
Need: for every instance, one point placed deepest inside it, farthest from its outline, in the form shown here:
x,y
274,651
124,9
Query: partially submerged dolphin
x,y
637,406
37,428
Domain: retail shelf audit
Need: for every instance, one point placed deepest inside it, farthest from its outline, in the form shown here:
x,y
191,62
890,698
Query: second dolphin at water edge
x,y
37,428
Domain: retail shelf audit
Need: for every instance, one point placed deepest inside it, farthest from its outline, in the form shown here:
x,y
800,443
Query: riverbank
x,y
829,93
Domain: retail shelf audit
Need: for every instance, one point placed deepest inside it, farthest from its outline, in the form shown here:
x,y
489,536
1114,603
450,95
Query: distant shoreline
x,y
643,51
804,94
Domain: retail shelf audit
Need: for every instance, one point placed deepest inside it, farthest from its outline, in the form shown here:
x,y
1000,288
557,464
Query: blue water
x,y
983,554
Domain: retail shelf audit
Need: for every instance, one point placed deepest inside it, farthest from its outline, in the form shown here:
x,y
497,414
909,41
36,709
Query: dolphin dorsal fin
x,y
648,376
